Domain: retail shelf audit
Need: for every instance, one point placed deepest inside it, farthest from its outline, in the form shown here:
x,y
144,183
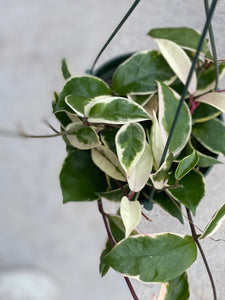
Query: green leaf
x,y
168,205
80,179
168,103
108,138
186,165
156,142
103,268
211,135
187,38
85,86
206,161
160,177
140,72
179,62
204,113
192,190
130,145
107,161
207,79
139,175
214,223
131,214
140,99
175,289
82,137
153,258
114,195
216,100
77,103
65,71
115,110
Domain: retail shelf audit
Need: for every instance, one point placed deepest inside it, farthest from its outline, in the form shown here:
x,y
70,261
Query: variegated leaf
x,y
130,145
216,100
179,62
186,165
82,137
168,103
153,258
77,103
115,110
131,214
156,142
214,223
108,162
139,175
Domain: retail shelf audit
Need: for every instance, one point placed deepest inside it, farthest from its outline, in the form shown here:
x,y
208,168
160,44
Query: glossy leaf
x,y
214,223
186,165
168,205
81,188
168,102
156,142
108,138
131,214
65,71
139,175
175,289
153,258
160,177
85,86
207,79
192,190
115,110
77,103
107,161
179,62
130,145
187,38
204,113
211,135
216,100
82,137
139,73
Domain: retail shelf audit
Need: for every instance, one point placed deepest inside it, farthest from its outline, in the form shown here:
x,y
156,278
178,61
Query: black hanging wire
x,y
213,45
113,34
200,44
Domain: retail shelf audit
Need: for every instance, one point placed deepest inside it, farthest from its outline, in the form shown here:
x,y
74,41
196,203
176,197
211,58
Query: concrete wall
x,y
36,230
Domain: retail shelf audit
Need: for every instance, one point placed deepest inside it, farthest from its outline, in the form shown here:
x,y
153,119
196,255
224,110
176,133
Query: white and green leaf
x,y
179,62
77,103
84,86
82,137
186,165
107,161
152,106
216,100
168,103
139,175
190,191
214,223
115,110
131,214
156,142
160,177
175,289
130,145
138,74
153,258
211,135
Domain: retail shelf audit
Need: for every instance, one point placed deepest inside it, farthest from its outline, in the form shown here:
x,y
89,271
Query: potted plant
x,y
139,134
124,146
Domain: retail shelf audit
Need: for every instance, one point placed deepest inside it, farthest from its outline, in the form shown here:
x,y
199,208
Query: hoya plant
x,y
131,140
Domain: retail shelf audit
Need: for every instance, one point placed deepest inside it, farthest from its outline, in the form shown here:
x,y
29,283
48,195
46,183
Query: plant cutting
x,y
145,137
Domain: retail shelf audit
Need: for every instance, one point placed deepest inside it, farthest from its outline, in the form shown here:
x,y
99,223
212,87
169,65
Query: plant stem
x,y
112,243
195,237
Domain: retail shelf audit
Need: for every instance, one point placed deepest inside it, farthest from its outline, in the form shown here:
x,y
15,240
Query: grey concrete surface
x,y
36,231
